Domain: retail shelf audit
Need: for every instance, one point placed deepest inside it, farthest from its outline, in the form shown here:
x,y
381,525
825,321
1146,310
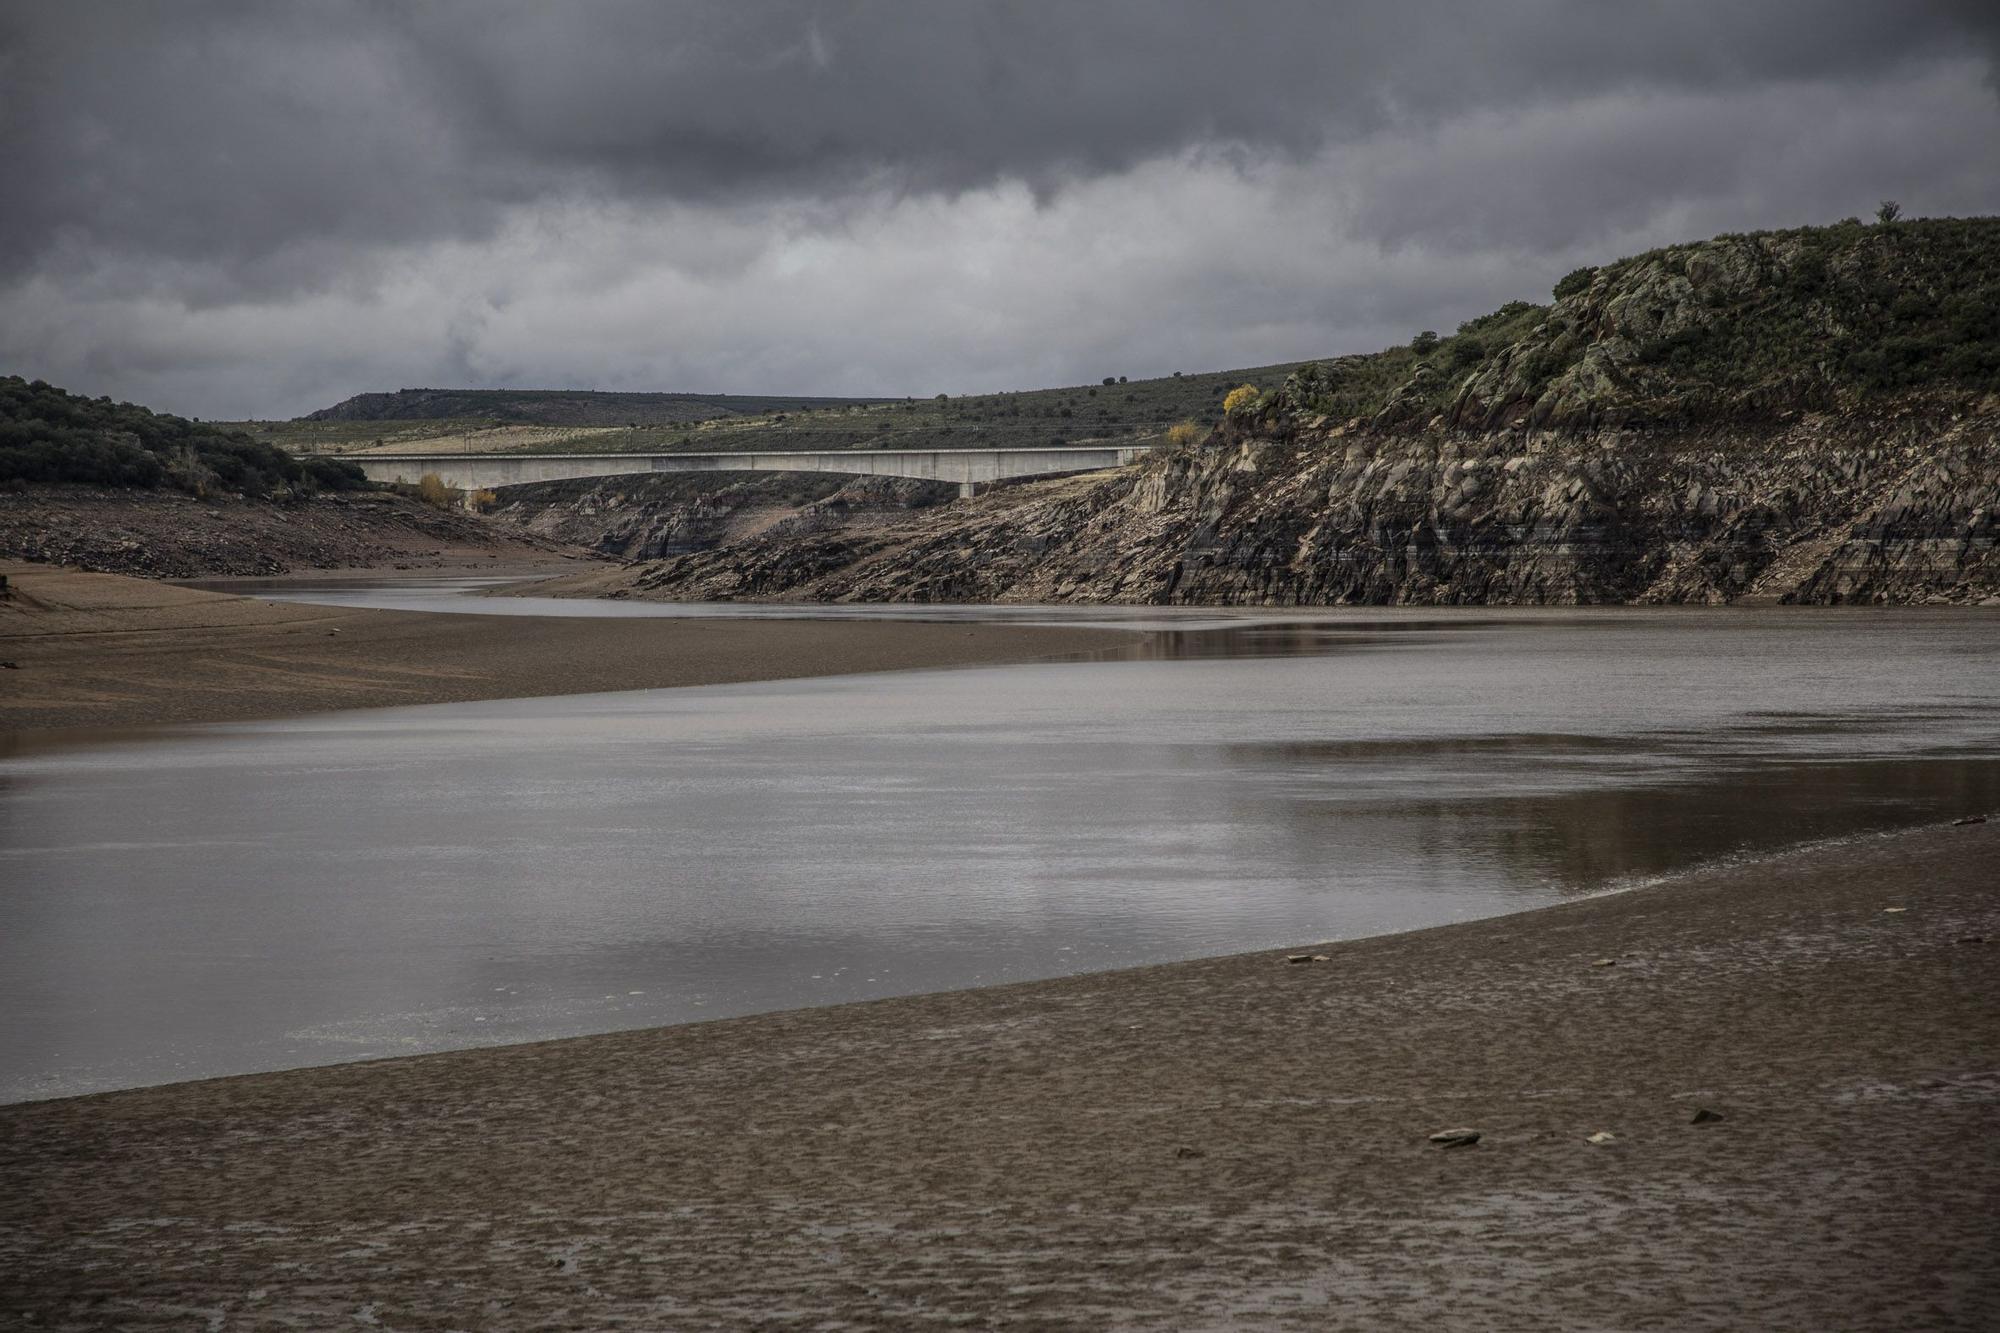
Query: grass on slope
x,y
567,407
1085,413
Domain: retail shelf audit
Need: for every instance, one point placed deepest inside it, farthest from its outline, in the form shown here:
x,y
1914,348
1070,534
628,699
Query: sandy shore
x,y
1237,1141
104,651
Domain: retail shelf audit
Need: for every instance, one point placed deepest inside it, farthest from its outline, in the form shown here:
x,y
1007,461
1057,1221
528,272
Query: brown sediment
x,y
168,534
104,651
1240,1141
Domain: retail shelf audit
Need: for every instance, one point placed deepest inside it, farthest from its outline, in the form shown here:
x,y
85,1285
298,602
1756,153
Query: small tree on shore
x,y
1888,212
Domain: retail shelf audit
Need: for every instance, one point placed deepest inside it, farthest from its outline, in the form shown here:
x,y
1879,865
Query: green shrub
x,y
1575,282
47,435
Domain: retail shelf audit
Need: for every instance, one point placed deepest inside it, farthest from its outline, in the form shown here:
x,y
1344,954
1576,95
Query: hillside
x,y
168,534
1134,410
49,436
1809,415
560,407
115,488
1819,318
1738,328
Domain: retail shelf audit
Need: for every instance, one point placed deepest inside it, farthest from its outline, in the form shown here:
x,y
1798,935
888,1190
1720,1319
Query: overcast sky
x,y
233,208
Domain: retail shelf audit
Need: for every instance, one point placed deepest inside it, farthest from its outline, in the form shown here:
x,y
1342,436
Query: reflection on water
x,y
1175,631
263,895
1588,838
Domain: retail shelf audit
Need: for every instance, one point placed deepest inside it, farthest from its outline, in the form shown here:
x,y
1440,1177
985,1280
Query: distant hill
x,y
1111,408
562,407
48,435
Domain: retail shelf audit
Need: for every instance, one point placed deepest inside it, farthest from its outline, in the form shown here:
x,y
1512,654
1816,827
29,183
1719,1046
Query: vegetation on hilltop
x,y
1741,325
1135,410
1814,317
565,407
47,435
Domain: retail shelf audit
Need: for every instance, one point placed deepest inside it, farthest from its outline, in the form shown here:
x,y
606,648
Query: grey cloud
x,y
1553,178
236,207
233,130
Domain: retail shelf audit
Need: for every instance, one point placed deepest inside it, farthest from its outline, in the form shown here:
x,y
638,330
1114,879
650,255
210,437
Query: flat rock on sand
x,y
1231,1142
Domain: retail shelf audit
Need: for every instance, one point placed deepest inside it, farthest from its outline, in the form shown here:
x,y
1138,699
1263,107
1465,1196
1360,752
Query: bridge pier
x,y
967,489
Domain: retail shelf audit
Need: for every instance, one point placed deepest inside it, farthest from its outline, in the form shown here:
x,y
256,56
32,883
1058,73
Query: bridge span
x,y
969,468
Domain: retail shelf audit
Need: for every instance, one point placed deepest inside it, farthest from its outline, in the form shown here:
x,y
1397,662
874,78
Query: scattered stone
x,y
10,666
1703,1116
1298,958
1605,962
1970,939
1969,819
1322,958
1455,1138
1184,1152
1889,910
1602,1137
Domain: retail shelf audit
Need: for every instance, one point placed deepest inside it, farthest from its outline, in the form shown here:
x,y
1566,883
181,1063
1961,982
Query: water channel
x,y
231,898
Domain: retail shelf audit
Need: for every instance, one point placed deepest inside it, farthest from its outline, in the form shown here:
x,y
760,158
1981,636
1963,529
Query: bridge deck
x,y
967,467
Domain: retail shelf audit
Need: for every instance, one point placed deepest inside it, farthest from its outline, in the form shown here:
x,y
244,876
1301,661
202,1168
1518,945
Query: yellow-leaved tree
x,y
1239,398
1183,433
433,492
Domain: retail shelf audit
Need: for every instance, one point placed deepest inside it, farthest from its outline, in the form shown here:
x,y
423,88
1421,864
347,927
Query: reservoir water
x,y
224,899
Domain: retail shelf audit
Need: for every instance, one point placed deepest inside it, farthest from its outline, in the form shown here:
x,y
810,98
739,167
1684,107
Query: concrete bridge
x,y
970,468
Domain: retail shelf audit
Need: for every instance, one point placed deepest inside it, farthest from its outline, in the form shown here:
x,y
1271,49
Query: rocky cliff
x,y
1808,416
647,516
1899,508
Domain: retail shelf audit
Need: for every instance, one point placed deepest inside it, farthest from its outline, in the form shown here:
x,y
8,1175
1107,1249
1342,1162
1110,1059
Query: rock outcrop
x,y
1894,508
649,516
1809,416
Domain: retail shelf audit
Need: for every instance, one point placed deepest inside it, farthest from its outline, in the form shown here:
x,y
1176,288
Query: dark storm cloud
x,y
239,128
231,205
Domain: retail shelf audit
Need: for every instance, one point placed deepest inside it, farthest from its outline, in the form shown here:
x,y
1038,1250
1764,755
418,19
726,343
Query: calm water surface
x,y
233,898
